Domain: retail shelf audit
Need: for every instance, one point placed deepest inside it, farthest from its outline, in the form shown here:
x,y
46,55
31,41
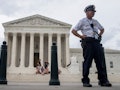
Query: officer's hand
x,y
83,36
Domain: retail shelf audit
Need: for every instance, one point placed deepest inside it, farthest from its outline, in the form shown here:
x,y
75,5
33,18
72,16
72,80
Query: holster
x,y
99,38
83,43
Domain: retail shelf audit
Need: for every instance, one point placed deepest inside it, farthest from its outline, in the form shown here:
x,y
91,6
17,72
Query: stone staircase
x,y
75,78
65,76
42,78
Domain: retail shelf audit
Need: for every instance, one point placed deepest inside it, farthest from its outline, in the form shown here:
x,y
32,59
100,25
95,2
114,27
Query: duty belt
x,y
90,39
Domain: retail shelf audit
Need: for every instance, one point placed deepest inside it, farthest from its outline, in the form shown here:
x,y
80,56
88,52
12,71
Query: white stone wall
x,y
110,55
113,56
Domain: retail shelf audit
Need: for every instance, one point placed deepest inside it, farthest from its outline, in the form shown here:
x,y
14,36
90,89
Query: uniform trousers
x,y
92,50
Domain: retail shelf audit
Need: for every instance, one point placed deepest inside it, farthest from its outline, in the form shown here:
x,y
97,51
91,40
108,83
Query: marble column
x,y
59,49
67,49
31,56
6,38
49,48
22,57
41,49
8,48
13,57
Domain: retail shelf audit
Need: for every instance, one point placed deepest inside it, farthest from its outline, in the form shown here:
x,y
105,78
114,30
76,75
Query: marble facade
x,y
29,39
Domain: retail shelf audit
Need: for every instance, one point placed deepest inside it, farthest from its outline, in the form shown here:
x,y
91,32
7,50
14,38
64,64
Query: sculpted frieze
x,y
37,21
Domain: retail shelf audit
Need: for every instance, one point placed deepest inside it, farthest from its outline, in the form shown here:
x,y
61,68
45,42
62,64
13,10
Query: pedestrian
x,y
91,36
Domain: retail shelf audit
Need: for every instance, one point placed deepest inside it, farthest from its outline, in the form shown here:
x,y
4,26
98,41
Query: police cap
x,y
90,8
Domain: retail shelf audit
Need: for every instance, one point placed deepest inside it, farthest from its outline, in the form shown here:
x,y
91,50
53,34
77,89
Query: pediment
x,y
36,20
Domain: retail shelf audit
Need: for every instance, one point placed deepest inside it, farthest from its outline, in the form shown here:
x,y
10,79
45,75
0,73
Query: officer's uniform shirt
x,y
86,29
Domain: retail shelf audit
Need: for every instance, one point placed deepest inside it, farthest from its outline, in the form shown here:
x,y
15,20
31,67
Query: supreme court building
x,y
29,39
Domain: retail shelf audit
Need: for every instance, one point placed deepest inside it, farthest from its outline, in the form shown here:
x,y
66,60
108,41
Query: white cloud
x,y
69,11
1,40
4,18
112,39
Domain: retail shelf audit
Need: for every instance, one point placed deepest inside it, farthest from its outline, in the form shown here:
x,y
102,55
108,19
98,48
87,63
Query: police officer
x,y
91,46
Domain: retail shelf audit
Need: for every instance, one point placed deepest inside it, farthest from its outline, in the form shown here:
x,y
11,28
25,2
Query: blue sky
x,y
69,11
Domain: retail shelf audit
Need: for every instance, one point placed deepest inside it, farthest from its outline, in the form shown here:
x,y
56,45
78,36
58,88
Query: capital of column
x,y
41,33
31,34
14,34
50,34
58,34
23,33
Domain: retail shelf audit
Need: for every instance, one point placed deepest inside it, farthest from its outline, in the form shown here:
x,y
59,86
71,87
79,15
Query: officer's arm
x,y
77,34
101,32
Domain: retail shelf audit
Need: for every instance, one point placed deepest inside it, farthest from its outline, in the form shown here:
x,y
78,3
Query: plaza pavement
x,y
63,86
74,85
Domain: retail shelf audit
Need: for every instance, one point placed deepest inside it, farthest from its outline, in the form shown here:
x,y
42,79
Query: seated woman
x,y
39,68
46,70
